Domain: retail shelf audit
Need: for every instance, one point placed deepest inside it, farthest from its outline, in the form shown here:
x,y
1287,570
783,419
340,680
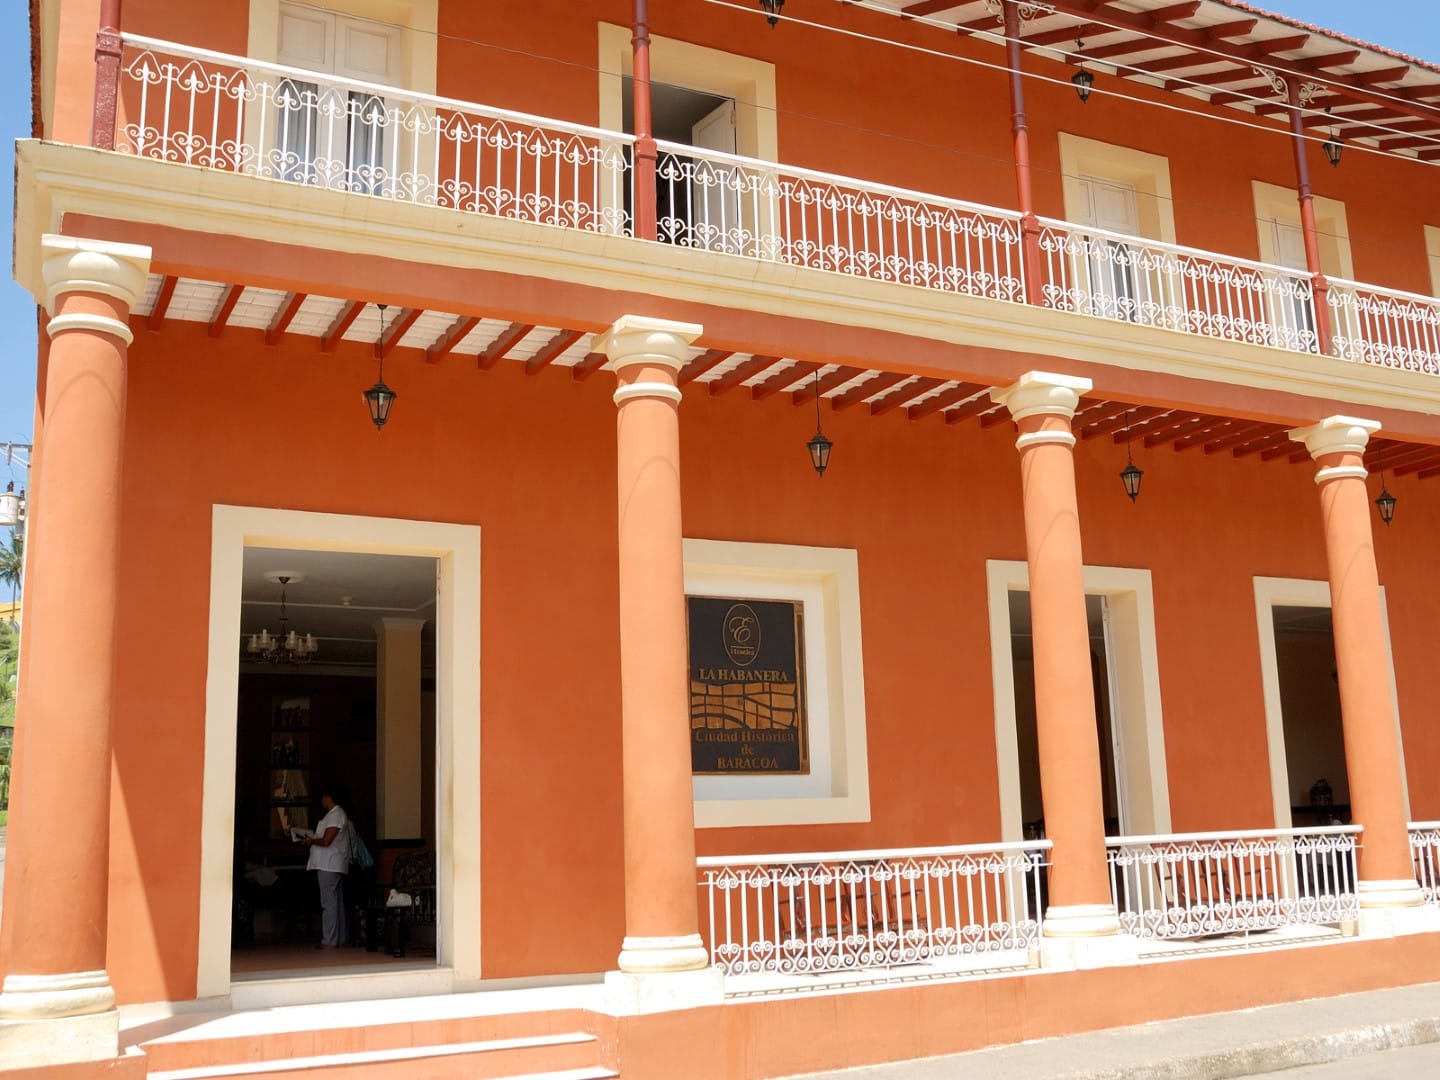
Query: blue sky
x,y
1409,26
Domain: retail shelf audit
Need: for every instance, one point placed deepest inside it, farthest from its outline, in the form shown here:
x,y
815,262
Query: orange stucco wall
x,y
531,460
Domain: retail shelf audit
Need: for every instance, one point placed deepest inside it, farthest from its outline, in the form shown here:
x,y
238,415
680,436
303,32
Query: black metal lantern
x,y
1332,146
1386,503
819,446
1132,474
1082,79
772,10
379,398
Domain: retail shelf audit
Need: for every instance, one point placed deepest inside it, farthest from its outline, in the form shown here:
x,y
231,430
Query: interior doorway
x,y
1319,789
1112,755
335,696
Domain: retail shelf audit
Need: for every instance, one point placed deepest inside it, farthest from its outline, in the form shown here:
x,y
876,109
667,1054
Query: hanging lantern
x,y
1132,474
1082,79
772,10
1332,146
819,446
1386,503
379,398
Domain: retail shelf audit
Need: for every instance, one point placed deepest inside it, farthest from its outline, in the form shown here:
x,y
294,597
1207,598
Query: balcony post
x,y
1029,223
643,199
1319,286
57,1003
663,960
107,76
1390,898
1081,918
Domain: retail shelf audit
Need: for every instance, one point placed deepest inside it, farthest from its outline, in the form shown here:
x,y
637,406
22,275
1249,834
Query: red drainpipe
x,y
645,153
107,76
1029,223
1319,285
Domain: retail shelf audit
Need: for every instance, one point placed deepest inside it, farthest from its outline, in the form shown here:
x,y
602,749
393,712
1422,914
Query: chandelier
x,y
288,646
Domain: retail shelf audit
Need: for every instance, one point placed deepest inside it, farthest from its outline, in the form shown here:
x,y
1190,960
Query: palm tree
x,y
12,567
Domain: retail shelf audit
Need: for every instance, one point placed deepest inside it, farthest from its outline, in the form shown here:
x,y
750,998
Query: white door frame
x,y
457,550
1136,676
1271,593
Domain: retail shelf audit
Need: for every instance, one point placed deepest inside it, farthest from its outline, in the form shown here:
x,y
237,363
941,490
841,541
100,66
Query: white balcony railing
x,y
849,910
743,206
1425,850
216,111
1114,276
1385,327
1198,884
222,112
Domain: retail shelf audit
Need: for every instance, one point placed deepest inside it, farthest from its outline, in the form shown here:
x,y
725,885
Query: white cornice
x,y
55,180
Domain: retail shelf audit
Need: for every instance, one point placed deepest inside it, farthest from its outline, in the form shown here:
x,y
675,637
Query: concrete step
x,y
569,1056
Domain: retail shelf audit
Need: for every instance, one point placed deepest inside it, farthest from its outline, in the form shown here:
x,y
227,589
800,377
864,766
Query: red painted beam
x,y
398,329
701,364
868,389
779,381
503,343
228,299
552,350
748,370
289,308
824,385
348,314
592,363
162,302
455,333
901,394
943,400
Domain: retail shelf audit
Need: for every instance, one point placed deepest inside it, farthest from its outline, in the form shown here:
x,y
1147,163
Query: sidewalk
x,y
1210,1047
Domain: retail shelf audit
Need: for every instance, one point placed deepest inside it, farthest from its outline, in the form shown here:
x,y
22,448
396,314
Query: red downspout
x,y
1307,225
1029,223
107,76
645,152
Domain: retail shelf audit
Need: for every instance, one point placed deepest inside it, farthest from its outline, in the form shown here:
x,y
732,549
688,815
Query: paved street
x,y
1407,1063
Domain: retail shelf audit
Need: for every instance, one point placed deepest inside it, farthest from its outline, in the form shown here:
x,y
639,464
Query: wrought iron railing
x,y
742,206
849,910
1191,885
197,107
1425,850
1114,276
1385,327
221,112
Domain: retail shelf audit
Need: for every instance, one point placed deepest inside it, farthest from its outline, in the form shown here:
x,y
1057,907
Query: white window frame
x,y
827,581
1274,203
1432,256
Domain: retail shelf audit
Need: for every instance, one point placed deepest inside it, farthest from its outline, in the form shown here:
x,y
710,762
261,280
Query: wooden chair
x,y
410,926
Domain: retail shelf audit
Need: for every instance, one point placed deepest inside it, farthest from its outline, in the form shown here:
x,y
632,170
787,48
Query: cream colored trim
x,y
827,581
418,18
457,548
1042,393
1148,174
1340,472
638,339
750,82
49,60
55,180
1432,255
1271,593
1336,435
98,324
1045,438
664,391
1145,778
1274,203
73,264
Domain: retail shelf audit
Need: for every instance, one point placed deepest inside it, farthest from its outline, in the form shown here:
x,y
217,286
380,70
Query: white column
x,y
397,728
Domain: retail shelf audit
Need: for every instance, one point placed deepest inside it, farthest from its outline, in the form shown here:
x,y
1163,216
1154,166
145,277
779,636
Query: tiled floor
x,y
271,960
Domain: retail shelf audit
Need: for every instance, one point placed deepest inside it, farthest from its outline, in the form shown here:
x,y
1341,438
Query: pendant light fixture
x,y
772,10
288,646
1131,475
1385,503
380,397
1082,79
1332,146
819,446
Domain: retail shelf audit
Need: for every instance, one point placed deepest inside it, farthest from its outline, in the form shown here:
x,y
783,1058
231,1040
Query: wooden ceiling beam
x,y
972,408
1392,454
1428,474
592,363
902,394
1223,426
1278,437
552,350
928,7
789,377
289,308
1097,411
701,364
944,400
228,299
748,370
826,383
1192,425
398,329
1417,464
503,342
1133,417
162,302
455,333
1240,437
1277,448
342,322
868,389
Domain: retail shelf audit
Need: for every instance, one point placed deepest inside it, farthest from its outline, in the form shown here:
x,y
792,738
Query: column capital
x,y
74,264
636,339
398,623
1042,393
1336,435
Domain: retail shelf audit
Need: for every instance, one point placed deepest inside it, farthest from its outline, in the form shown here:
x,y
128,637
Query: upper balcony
x,y
284,125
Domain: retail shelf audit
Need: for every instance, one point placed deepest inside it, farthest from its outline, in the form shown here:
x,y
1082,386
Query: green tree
x,y
12,565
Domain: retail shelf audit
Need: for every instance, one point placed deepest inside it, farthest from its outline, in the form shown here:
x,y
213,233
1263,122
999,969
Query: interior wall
x,y
1310,707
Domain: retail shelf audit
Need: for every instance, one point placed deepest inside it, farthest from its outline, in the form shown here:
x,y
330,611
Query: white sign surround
x,y
826,581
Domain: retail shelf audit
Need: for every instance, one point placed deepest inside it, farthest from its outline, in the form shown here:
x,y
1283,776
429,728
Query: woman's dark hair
x,y
336,792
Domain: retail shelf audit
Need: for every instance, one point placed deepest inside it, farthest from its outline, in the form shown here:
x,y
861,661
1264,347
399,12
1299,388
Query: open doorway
x,y
336,697
1111,749
1310,711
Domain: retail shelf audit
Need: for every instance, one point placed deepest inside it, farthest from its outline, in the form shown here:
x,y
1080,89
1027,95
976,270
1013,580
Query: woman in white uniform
x,y
330,858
